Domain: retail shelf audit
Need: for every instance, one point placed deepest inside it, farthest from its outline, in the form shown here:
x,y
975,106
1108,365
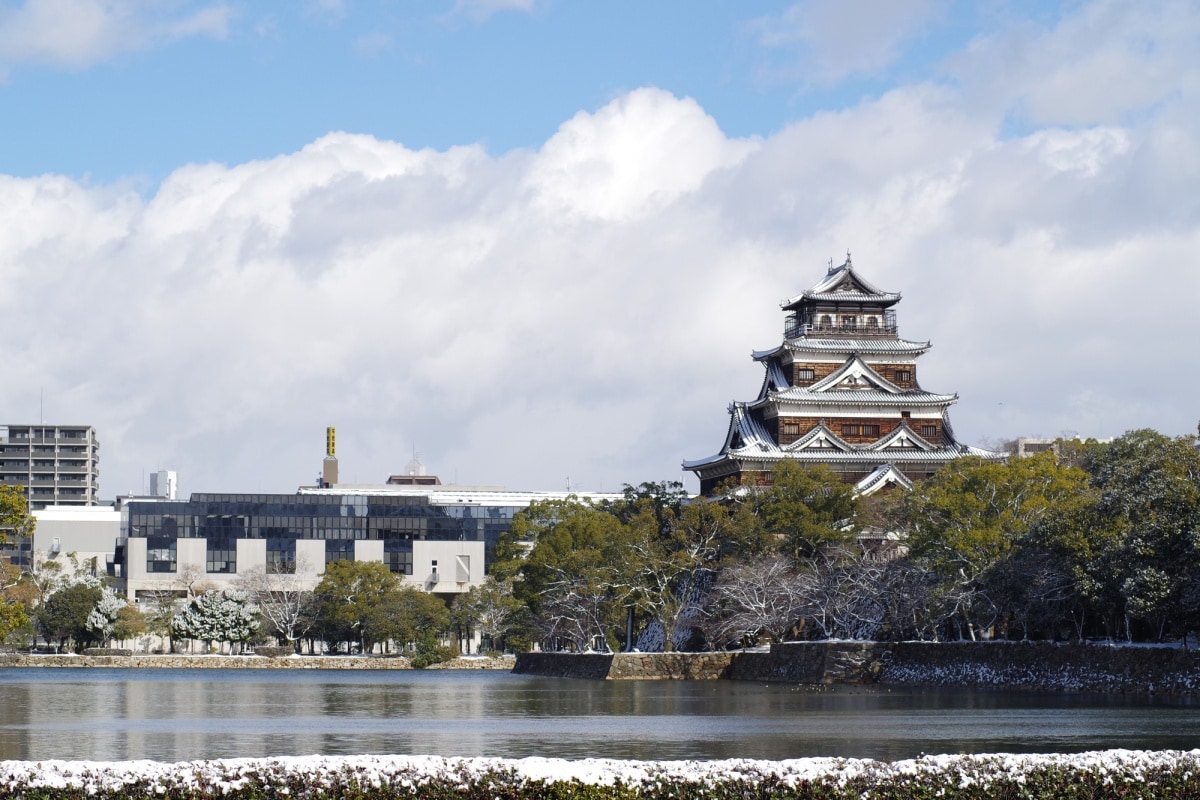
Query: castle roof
x,y
748,441
843,285
854,384
881,476
809,344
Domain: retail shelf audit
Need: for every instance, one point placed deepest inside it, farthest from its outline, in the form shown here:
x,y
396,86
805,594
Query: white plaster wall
x,y
368,550
251,555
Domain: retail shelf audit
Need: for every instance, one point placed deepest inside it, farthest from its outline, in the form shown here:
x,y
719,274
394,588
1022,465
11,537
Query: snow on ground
x,y
221,776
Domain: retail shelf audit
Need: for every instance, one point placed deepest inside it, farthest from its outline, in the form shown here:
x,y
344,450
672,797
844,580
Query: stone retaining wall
x,y
1043,665
244,662
626,666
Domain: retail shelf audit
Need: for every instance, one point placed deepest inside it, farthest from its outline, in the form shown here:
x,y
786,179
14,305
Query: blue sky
x,y
536,242
255,80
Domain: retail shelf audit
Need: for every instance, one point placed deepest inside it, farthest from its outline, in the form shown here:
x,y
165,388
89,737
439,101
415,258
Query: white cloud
x,y
1112,59
78,33
587,309
828,40
640,152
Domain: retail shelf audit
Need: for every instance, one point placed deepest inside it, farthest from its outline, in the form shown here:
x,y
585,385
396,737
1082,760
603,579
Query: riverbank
x,y
1011,665
182,661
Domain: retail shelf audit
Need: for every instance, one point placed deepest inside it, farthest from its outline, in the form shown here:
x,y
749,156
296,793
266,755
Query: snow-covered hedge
x,y
1108,774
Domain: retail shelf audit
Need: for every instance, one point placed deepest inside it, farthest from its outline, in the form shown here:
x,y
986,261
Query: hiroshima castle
x,y
840,390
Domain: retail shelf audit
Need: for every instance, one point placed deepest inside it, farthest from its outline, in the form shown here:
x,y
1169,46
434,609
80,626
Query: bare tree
x,y
489,608
284,600
162,605
191,577
754,597
576,609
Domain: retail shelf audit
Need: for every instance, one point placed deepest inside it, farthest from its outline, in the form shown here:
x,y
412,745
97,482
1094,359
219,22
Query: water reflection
x,y
184,714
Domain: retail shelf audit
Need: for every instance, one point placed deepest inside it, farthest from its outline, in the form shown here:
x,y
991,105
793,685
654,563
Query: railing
x,y
793,330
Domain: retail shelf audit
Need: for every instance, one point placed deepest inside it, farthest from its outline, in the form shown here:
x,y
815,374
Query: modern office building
x,y
436,538
52,464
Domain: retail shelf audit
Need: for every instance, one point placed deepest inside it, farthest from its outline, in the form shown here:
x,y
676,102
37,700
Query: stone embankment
x,y
626,666
180,661
1035,666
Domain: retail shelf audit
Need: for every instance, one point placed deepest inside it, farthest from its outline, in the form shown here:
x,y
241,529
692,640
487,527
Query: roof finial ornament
x,y
830,270
848,265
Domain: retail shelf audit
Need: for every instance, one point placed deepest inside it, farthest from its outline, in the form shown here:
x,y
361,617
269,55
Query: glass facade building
x,y
338,520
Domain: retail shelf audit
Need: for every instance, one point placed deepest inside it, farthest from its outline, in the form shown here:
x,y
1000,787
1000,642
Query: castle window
x,y
805,374
872,323
860,430
904,375
790,428
826,321
850,323
929,430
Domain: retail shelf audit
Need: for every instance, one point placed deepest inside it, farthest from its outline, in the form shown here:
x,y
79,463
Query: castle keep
x,y
840,390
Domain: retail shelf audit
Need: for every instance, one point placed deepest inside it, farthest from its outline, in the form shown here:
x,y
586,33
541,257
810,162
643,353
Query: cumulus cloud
x,y
78,33
585,310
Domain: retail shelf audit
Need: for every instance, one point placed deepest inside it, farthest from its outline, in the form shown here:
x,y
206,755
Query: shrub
x,y
429,652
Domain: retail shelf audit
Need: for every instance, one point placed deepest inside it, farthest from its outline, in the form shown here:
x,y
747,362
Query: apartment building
x,y
55,465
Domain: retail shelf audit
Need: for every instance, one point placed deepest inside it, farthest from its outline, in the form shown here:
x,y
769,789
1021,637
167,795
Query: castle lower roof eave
x,y
805,344
855,399
864,456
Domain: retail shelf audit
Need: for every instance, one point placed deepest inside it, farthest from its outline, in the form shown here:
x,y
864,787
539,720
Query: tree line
x,y
1091,540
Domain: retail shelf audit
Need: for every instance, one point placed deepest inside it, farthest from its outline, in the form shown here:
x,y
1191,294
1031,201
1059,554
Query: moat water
x,y
176,715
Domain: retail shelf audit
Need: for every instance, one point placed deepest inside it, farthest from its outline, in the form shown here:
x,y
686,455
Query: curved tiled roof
x,y
856,398
880,477
844,285
809,344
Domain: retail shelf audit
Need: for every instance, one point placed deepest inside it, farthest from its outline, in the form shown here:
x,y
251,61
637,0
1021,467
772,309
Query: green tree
x,y
417,618
65,613
806,508
973,514
355,602
15,519
13,601
129,624
1134,548
571,580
